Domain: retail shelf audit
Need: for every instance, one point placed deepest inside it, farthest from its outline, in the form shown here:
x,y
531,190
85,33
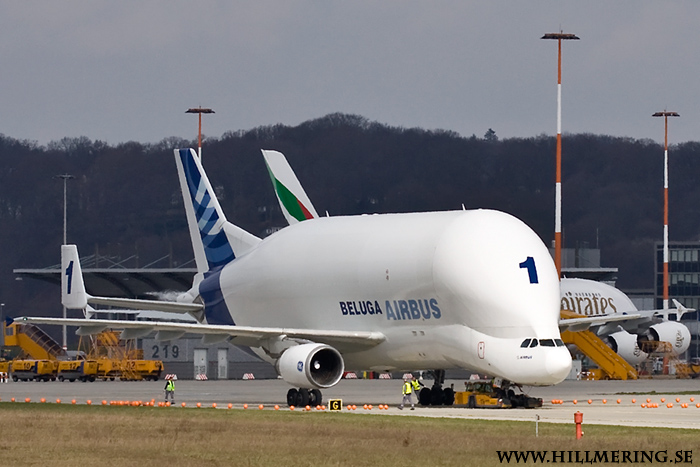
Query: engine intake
x,y
311,366
625,345
673,332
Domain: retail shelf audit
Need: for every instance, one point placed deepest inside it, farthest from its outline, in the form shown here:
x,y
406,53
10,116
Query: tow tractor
x,y
486,393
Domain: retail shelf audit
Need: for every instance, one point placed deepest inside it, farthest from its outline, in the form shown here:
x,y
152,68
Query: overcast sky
x,y
122,71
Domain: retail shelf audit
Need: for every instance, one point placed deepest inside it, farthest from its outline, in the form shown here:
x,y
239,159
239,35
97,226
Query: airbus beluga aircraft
x,y
605,310
470,289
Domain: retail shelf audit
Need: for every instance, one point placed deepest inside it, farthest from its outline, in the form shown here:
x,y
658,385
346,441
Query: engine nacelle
x,y
672,332
311,366
625,345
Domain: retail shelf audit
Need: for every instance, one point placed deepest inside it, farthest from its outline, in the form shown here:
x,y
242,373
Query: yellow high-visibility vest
x,y
407,388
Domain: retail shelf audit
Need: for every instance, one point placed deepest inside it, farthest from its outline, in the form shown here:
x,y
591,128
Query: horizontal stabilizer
x,y
154,305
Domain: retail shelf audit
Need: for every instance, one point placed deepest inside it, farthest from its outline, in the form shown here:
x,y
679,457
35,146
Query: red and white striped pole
x,y
665,115
557,197
200,111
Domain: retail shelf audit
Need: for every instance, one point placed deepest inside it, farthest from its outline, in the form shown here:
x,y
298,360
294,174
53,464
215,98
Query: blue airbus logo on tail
x,y
216,245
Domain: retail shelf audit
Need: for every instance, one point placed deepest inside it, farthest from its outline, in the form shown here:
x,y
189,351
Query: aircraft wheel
x,y
424,396
437,397
315,397
292,395
449,396
302,397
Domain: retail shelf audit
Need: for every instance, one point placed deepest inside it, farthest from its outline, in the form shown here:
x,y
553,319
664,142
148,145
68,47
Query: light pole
x,y
65,178
665,115
199,110
559,36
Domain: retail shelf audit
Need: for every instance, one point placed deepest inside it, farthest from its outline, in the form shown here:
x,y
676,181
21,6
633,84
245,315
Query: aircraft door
x,y
222,355
200,362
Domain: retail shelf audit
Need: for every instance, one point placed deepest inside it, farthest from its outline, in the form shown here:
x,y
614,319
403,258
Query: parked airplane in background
x,y
632,328
388,292
606,310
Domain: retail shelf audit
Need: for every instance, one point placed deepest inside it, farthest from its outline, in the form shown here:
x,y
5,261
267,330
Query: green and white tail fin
x,y
296,205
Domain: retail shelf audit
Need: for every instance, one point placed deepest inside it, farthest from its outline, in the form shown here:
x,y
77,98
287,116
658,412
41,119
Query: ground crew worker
x,y
170,390
407,390
416,386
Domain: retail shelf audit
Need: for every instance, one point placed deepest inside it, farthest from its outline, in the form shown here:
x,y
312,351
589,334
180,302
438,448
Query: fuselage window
x,y
559,342
547,342
533,343
525,343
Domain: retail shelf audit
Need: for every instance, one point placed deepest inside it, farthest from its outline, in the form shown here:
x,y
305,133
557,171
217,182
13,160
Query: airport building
x,y
684,284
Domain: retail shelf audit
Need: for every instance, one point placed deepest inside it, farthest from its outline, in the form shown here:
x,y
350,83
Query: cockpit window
x,y
547,342
533,343
525,343
559,342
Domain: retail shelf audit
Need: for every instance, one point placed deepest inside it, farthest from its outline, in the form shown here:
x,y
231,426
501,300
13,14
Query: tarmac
x,y
375,392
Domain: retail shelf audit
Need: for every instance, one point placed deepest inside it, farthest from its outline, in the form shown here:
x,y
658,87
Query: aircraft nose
x,y
559,364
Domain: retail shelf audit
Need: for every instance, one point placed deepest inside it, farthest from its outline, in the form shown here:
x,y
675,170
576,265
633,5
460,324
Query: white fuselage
x,y
459,289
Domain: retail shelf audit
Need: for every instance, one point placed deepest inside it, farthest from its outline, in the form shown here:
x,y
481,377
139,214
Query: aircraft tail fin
x,y
73,293
215,241
296,205
681,310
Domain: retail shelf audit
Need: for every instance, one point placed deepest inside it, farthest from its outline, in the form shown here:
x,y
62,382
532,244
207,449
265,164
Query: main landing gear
x,y
437,395
302,397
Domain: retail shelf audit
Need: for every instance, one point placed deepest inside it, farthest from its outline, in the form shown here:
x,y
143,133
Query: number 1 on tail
x,y
69,277
529,264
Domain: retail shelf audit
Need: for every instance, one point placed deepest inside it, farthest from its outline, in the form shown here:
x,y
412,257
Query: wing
x,y
631,322
582,323
240,335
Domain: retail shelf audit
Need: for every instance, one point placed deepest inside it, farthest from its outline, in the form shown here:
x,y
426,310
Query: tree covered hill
x,y
125,202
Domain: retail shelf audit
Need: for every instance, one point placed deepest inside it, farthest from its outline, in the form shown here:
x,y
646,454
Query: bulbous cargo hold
x,y
471,284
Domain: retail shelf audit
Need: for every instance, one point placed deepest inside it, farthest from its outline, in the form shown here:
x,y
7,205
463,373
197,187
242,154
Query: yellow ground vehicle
x,y
149,370
39,370
82,370
484,394
690,369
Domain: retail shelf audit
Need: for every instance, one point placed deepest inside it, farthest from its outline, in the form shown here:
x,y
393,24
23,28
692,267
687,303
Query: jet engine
x,y
672,332
625,345
311,366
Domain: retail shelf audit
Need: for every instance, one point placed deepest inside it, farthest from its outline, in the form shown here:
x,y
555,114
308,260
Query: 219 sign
x,y
168,351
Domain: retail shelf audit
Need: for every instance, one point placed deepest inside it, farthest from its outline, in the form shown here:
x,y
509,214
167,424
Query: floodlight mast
x,y
559,36
65,178
199,110
665,114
